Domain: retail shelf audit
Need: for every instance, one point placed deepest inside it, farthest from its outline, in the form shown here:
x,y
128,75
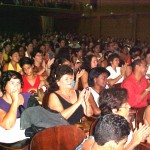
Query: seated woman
x,y
117,74
31,80
90,61
111,132
114,100
65,99
97,80
11,84
13,63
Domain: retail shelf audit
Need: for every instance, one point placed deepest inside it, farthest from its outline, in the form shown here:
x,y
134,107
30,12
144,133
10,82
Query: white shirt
x,y
114,74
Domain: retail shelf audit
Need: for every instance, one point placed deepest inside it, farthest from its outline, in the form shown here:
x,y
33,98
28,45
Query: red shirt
x,y
135,89
27,87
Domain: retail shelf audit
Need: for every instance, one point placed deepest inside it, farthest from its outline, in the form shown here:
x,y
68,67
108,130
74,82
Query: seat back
x,y
58,138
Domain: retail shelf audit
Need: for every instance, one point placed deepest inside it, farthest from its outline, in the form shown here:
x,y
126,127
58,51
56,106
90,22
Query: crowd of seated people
x,y
75,70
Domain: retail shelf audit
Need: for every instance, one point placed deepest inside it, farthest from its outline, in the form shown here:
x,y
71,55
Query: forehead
x,y
26,66
67,76
104,74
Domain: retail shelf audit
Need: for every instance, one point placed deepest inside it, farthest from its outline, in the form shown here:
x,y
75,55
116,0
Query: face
x,y
115,62
13,85
38,57
21,52
101,80
62,43
15,57
42,48
30,47
94,62
124,110
79,53
148,59
28,69
7,48
97,49
66,81
143,67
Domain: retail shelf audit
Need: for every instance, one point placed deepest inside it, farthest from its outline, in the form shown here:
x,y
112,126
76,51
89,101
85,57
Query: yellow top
x,y
10,67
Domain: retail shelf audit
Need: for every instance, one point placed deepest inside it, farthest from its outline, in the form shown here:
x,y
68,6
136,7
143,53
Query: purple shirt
x,y
6,106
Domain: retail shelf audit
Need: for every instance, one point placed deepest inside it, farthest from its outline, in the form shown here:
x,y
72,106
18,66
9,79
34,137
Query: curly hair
x,y
111,127
112,57
112,98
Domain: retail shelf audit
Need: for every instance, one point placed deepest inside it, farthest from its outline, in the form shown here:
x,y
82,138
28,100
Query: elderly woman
x,y
11,100
65,99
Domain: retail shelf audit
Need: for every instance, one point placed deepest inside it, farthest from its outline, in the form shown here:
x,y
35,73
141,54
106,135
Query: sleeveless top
x,y
77,115
6,106
27,87
10,67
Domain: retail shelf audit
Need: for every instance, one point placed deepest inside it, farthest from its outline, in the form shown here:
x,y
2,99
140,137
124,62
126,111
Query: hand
x,y
79,74
84,95
50,62
140,134
14,93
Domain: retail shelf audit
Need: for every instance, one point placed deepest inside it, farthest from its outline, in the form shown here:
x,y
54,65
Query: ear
x,y
115,111
58,83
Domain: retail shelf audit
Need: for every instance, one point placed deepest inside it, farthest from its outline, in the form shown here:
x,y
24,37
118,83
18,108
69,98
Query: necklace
x,y
66,95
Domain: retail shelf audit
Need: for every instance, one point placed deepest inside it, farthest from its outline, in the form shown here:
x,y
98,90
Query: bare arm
x,y
96,110
8,119
5,67
84,79
55,104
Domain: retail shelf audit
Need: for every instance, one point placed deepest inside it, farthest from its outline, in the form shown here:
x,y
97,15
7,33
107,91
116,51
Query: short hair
x,y
111,127
26,60
33,54
134,50
135,63
12,52
7,76
112,98
94,73
112,57
57,74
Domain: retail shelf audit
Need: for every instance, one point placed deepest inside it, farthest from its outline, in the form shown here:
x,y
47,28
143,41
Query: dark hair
x,y
33,54
6,43
7,76
112,57
26,60
112,98
12,52
133,50
57,74
87,62
94,73
106,54
111,127
135,63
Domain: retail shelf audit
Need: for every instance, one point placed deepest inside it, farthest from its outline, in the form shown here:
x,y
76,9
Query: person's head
x,y
61,77
14,55
96,48
114,100
139,66
147,57
77,52
29,47
90,61
98,77
21,50
112,131
62,43
107,54
7,47
135,53
11,80
27,65
37,56
114,60
111,46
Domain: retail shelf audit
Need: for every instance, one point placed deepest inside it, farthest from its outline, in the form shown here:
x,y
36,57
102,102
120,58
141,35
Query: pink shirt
x,y
135,89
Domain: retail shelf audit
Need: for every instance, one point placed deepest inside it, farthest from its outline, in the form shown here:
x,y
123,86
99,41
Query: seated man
x,y
111,132
137,85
